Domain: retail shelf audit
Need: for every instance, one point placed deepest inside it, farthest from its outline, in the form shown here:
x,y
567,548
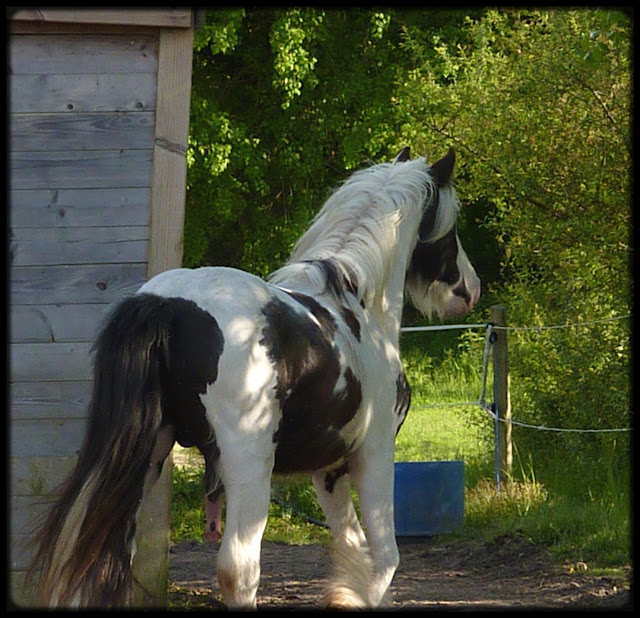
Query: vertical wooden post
x,y
168,186
151,562
501,391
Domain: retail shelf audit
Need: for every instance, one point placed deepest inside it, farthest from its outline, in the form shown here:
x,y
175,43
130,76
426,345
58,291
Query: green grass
x,y
435,430
438,434
578,508
591,526
187,503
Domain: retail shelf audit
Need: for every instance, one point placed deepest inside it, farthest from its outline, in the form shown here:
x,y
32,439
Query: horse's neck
x,y
389,299
388,304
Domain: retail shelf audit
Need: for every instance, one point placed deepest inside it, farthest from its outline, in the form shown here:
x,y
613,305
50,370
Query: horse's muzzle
x,y
465,296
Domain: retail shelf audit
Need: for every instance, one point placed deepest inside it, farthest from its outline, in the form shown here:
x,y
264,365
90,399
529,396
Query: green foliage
x,y
582,513
442,372
284,103
293,64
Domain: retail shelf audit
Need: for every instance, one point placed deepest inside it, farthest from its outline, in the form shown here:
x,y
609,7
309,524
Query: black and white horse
x,y
301,373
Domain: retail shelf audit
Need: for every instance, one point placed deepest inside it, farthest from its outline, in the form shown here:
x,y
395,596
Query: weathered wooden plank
x,y
31,362
75,170
103,283
31,479
24,514
55,323
46,438
20,554
24,511
55,400
22,593
82,93
56,282
44,54
38,476
54,27
90,131
165,17
167,226
77,245
79,207
151,561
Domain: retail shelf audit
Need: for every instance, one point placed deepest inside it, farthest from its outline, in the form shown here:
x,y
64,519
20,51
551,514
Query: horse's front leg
x,y
374,477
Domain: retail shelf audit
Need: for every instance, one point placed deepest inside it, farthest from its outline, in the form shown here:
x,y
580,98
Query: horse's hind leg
x,y
348,587
247,493
374,477
334,494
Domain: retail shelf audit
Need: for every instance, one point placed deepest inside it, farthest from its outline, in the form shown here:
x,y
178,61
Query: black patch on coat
x,y
438,260
331,478
351,321
308,370
195,346
337,283
403,398
339,286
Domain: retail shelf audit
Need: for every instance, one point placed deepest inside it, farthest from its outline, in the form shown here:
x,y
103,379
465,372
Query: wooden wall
x,y
97,180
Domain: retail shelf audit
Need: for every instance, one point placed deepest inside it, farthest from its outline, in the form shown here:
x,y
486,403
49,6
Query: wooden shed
x,y
98,125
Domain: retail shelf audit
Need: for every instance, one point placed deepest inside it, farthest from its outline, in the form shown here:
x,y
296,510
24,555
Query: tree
x,y
284,104
539,104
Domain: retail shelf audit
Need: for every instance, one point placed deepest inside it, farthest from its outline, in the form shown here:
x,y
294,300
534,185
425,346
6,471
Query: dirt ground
x,y
510,572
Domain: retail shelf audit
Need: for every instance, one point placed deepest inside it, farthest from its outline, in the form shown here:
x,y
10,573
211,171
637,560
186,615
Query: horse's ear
x,y
441,170
403,155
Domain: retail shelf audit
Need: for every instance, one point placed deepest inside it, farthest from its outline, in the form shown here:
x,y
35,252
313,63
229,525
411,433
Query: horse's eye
x,y
449,277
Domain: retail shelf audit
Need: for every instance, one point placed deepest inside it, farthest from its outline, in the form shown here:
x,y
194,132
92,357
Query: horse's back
x,y
286,369
234,298
217,289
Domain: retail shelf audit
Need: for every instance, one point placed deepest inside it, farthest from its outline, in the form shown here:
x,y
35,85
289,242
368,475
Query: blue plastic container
x,y
428,497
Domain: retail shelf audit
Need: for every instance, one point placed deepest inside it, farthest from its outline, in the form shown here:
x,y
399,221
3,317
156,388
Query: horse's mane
x,y
357,228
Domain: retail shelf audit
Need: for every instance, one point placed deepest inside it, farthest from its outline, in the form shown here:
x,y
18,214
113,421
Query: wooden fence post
x,y
175,48
501,391
151,561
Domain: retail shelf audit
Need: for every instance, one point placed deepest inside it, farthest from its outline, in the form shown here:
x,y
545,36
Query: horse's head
x,y
440,278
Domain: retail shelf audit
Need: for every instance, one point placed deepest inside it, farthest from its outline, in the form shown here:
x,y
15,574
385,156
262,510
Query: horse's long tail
x,y
85,546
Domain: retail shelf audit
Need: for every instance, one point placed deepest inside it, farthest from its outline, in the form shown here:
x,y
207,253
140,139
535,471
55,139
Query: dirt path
x,y
509,572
